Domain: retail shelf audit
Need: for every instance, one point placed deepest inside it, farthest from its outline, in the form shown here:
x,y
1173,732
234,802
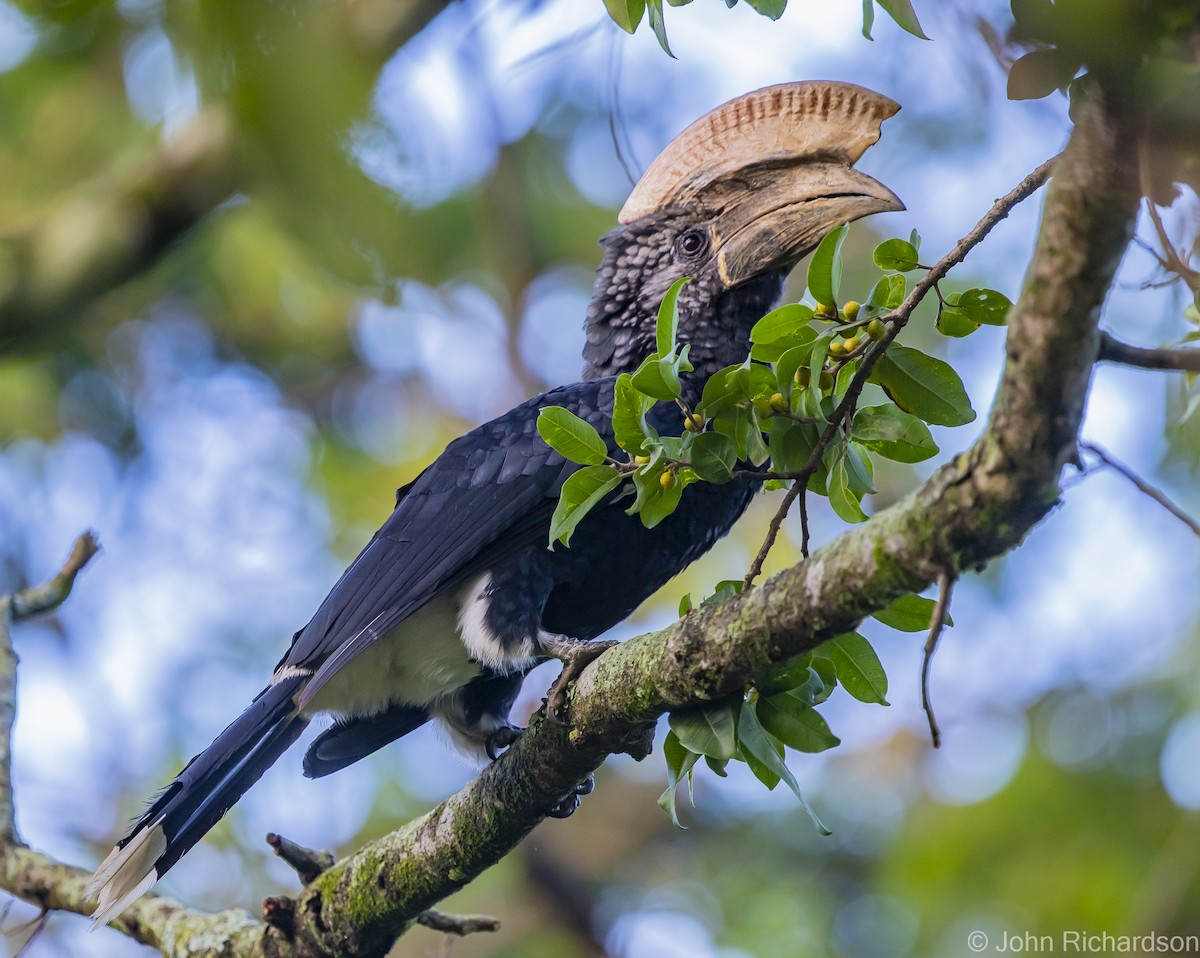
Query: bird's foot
x,y
501,739
575,655
567,806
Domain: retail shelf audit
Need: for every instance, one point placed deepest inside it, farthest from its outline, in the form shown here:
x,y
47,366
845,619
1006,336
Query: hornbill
x,y
457,595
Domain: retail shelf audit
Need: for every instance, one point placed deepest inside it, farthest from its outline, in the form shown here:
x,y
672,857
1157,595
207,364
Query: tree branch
x,y
1142,486
1112,350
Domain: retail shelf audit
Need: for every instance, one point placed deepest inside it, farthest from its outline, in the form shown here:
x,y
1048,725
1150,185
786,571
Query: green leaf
x,y
858,470
658,377
721,392
667,327
780,322
571,437
769,8
1040,73
791,444
795,724
582,491
858,667
713,457
825,267
630,406
685,604
923,386
679,764
845,376
787,364
709,729
951,322
764,754
737,424
902,12
761,771
985,306
896,254
756,446
657,503
725,589
658,26
844,501
888,292
783,678
892,433
827,672
780,331
909,613
626,14
816,364
868,18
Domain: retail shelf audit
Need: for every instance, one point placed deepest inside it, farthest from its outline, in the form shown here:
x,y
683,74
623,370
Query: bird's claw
x,y
566,807
576,655
501,739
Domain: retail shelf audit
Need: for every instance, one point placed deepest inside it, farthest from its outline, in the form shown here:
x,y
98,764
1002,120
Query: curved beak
x,y
770,218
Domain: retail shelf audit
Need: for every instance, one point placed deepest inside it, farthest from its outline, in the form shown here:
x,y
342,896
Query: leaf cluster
x,y
780,710
788,414
628,14
785,405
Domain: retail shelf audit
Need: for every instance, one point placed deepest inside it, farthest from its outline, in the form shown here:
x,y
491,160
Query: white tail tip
x,y
126,874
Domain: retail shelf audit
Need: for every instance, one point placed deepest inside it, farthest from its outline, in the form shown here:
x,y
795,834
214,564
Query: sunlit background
x,y
410,253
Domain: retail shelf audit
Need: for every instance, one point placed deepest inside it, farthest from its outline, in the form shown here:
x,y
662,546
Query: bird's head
x,y
733,202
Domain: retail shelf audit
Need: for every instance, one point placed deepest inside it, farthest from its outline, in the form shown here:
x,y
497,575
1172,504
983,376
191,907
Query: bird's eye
x,y
692,242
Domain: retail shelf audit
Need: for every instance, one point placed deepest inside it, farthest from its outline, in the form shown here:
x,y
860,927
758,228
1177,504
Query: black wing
x,y
491,493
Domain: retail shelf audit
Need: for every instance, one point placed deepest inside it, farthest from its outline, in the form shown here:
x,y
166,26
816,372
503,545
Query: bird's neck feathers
x,y
630,284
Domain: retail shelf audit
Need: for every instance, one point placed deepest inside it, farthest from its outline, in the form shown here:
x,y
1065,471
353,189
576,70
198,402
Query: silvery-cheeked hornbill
x,y
457,595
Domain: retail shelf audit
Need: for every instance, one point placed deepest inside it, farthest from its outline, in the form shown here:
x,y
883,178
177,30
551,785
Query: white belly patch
x,y
413,663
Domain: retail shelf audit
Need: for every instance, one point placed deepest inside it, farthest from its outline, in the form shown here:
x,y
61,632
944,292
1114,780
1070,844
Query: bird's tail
x,y
205,790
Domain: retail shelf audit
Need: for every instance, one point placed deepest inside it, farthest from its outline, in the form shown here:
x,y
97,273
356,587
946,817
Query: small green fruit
x,y
826,380
778,403
850,311
667,479
876,329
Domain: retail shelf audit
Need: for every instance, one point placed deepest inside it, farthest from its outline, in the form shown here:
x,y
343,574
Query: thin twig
x,y
1112,350
38,924
51,594
1143,487
772,532
457,924
305,862
804,524
13,608
895,321
937,622
1170,259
